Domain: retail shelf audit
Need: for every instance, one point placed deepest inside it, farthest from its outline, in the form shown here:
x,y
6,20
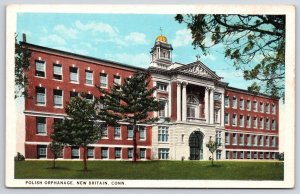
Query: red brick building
x,y
199,104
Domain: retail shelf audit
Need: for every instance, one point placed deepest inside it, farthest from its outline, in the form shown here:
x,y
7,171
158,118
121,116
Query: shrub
x,y
19,157
281,156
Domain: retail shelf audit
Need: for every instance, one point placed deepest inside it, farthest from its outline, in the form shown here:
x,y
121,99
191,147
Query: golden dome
x,y
161,38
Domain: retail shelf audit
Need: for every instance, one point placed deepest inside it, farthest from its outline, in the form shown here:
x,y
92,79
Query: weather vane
x,y
160,30
198,57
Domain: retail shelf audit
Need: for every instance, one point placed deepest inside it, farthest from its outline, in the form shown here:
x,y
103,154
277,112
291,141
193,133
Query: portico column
x,y
155,95
178,101
222,110
206,108
211,106
184,101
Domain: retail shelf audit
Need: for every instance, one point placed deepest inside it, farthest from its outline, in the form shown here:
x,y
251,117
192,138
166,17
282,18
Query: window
x,y
90,152
248,155
248,140
248,105
267,123
41,125
226,119
261,155
261,123
255,155
74,74
234,119
117,153
261,140
227,154
40,96
234,155
117,132
162,112
103,80
267,155
104,153
88,77
248,122
267,141
234,102
226,101
255,122
241,155
227,138
273,155
241,139
267,107
163,153
162,86
104,131
163,134
90,97
130,153
255,140
273,124
142,131
255,106
57,71
191,112
40,68
261,107
218,154
241,104
273,141
241,120
218,137
129,132
75,152
273,109
58,98
234,139
216,116
73,94
142,153
41,151
117,80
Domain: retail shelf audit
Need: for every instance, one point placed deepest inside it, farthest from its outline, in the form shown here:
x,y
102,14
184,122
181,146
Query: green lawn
x,y
196,170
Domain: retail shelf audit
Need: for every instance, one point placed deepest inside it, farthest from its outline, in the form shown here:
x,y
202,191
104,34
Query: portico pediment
x,y
197,69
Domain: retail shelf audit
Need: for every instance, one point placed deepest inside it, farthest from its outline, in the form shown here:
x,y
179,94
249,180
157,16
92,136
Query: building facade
x,y
199,105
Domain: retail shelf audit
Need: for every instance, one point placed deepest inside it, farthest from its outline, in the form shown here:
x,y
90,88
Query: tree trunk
x,y
134,142
84,159
212,159
54,162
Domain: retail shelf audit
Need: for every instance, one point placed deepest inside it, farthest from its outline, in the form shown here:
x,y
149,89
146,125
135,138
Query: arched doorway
x,y
196,147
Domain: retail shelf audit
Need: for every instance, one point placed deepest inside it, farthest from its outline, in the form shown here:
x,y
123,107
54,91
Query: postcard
x,y
150,96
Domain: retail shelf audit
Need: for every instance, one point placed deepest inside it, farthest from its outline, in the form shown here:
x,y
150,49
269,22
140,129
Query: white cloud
x,y
183,38
67,32
136,38
208,57
97,27
52,39
44,30
139,60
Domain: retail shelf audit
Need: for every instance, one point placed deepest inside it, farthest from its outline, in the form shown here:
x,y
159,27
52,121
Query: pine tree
x,y
79,128
129,102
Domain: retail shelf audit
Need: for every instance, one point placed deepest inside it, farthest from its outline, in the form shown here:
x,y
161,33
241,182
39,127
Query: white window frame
x,y
163,134
261,107
227,138
226,101
261,123
107,152
88,152
161,86
117,135
131,130
55,99
38,124
105,84
226,121
44,96
273,141
267,107
248,136
43,155
248,105
75,157
117,81
273,125
255,122
273,109
267,124
130,156
267,141
234,139
163,153
89,72
40,70
145,152
118,149
104,130
143,128
164,112
255,140
241,102
234,102
248,121
255,106
241,137
77,75
261,140
57,73
242,118
234,119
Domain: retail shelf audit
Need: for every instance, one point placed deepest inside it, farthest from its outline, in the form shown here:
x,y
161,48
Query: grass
x,y
188,170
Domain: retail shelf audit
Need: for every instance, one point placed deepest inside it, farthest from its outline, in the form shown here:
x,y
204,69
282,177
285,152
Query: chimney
x,y
24,37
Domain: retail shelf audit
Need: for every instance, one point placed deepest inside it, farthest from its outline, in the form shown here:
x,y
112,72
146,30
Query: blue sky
x,y
125,38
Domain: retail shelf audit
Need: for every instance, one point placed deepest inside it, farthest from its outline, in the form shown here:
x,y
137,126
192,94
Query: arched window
x,y
192,107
